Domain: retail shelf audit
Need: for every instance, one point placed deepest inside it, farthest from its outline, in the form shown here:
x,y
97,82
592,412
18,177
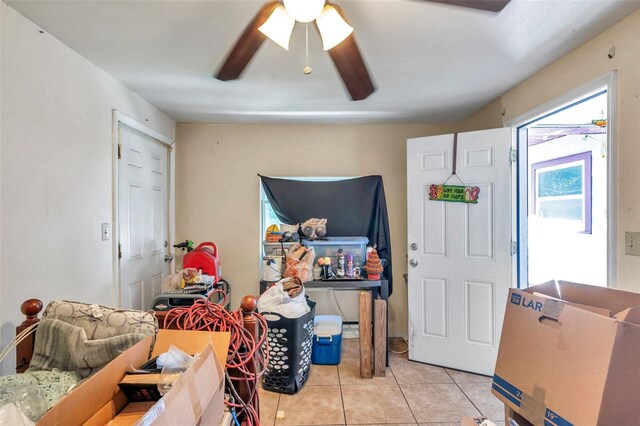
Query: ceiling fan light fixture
x,y
333,28
304,10
279,27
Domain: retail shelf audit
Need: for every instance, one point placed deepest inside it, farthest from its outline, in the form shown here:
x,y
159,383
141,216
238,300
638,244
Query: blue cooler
x,y
327,340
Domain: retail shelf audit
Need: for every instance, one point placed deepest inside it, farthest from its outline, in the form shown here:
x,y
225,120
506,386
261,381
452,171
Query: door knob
x,y
168,258
414,246
413,263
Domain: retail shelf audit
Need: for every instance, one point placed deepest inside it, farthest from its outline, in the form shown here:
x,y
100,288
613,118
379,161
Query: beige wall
x,y
218,187
586,64
56,171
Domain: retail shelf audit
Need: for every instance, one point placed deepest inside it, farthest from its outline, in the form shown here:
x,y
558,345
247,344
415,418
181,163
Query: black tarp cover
x,y
353,208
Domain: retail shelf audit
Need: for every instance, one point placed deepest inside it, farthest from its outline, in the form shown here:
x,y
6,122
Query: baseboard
x,y
350,331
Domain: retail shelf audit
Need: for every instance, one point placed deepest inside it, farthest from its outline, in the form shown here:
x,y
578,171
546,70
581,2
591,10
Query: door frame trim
x,y
118,118
609,81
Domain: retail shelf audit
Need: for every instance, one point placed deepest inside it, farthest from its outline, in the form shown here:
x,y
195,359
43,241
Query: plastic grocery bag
x,y
299,263
278,301
174,363
289,228
21,405
11,415
182,278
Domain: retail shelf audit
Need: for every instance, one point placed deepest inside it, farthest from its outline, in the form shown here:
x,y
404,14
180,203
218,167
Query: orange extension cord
x,y
204,315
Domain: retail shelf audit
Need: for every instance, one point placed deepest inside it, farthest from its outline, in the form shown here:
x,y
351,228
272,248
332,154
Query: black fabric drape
x,y
353,208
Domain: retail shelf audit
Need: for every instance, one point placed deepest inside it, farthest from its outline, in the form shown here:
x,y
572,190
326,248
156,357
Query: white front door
x,y
143,217
460,267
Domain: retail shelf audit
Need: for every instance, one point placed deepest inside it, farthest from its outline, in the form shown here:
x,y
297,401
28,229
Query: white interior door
x,y
460,254
143,217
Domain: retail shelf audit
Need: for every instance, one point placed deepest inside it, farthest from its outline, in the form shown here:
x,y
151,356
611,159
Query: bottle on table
x,y
349,271
340,270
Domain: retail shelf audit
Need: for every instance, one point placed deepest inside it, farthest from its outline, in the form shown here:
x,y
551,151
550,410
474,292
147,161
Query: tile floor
x,y
411,393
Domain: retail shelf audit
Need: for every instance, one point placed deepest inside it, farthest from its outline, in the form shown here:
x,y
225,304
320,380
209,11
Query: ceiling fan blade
x,y
347,59
247,45
490,5
351,67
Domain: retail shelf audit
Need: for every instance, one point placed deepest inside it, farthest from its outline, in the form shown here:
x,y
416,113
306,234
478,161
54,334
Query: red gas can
x,y
204,257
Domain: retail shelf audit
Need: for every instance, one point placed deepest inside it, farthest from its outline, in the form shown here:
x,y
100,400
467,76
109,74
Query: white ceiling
x,y
430,62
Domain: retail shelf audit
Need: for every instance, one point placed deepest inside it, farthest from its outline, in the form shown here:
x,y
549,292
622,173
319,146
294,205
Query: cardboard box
x,y
199,389
569,355
197,397
98,400
131,413
511,418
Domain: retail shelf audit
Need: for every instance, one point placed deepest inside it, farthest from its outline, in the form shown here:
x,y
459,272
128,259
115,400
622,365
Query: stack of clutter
x,y
273,234
189,280
284,233
195,279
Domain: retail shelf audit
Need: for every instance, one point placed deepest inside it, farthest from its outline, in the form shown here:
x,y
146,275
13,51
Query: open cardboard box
x,y
570,355
196,397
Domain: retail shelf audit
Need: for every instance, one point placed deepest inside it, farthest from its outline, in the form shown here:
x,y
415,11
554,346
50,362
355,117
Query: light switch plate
x,y
632,243
106,232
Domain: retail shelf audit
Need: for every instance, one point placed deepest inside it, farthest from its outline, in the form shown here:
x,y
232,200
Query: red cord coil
x,y
204,315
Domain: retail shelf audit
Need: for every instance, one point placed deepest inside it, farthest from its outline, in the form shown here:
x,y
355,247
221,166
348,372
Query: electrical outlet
x,y
632,243
106,232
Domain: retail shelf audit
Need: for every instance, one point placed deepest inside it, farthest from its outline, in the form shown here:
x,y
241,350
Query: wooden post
x,y
365,335
24,351
380,338
250,322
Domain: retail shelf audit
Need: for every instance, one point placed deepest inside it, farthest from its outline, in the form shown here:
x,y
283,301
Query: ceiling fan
x,y
277,18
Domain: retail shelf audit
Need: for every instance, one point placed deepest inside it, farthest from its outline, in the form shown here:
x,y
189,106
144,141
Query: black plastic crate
x,y
290,341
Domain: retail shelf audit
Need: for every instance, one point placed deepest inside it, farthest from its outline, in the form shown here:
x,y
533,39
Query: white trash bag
x,y
277,300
